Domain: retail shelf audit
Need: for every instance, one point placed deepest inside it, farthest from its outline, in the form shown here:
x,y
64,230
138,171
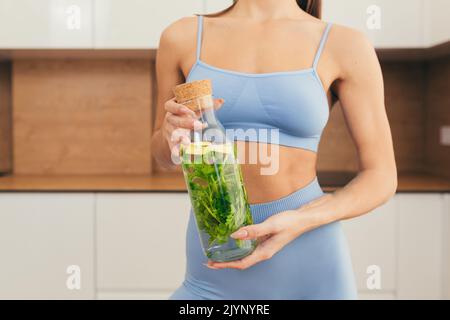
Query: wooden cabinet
x,y
401,22
138,23
45,240
45,24
5,117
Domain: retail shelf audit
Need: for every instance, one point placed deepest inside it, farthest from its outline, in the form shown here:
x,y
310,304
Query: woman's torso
x,y
264,63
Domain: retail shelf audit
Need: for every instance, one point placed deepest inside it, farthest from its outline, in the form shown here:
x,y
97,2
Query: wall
x,y
94,116
404,85
82,116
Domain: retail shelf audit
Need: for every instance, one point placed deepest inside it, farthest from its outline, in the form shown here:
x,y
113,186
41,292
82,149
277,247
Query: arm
x,y
361,92
173,121
359,87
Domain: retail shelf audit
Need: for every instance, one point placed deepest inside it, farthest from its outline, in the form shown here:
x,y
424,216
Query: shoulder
x,y
179,33
350,48
355,41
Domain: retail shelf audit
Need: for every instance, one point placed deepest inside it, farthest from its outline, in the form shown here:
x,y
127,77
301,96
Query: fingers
x,y
178,109
180,136
218,103
174,137
180,116
175,154
179,120
263,252
255,231
183,121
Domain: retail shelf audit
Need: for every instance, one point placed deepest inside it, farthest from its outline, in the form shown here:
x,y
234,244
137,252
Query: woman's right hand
x,y
179,120
178,123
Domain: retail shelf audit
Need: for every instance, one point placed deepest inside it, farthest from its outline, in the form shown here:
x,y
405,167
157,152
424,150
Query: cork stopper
x,y
188,93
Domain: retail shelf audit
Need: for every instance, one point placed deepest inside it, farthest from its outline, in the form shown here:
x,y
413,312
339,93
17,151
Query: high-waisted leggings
x,y
316,265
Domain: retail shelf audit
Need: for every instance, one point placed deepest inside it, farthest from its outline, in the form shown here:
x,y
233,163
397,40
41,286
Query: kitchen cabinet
x,y
45,24
212,6
46,246
421,246
446,247
372,241
137,23
131,245
385,239
436,21
407,239
141,241
376,296
401,22
134,295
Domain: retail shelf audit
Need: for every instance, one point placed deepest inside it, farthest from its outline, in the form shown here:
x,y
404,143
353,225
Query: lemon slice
x,y
198,148
201,148
226,148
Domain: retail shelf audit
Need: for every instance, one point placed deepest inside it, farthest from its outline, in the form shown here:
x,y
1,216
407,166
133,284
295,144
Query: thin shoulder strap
x,y
321,45
199,35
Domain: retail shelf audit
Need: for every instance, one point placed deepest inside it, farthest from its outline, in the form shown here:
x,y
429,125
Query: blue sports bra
x,y
288,108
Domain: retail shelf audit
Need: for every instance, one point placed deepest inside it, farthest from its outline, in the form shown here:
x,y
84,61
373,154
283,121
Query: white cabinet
x,y
134,295
401,22
372,240
141,242
45,24
376,296
132,245
212,6
42,236
436,19
404,239
446,248
407,240
138,23
420,243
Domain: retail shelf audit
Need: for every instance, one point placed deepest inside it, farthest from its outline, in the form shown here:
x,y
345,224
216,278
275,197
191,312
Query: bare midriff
x,y
265,182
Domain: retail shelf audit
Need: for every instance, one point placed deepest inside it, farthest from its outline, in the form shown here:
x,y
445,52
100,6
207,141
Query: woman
x,y
274,63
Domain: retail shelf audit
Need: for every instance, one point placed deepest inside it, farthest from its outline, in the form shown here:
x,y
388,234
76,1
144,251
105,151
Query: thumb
x,y
254,231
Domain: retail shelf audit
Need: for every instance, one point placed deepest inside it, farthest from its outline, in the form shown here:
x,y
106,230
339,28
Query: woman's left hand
x,y
272,235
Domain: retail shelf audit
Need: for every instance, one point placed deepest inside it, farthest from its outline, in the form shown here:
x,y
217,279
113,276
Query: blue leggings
x,y
316,265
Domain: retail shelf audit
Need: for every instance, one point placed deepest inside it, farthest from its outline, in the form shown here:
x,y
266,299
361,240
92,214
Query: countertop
x,y
173,182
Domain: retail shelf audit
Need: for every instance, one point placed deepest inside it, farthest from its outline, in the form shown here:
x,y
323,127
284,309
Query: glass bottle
x,y
214,179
